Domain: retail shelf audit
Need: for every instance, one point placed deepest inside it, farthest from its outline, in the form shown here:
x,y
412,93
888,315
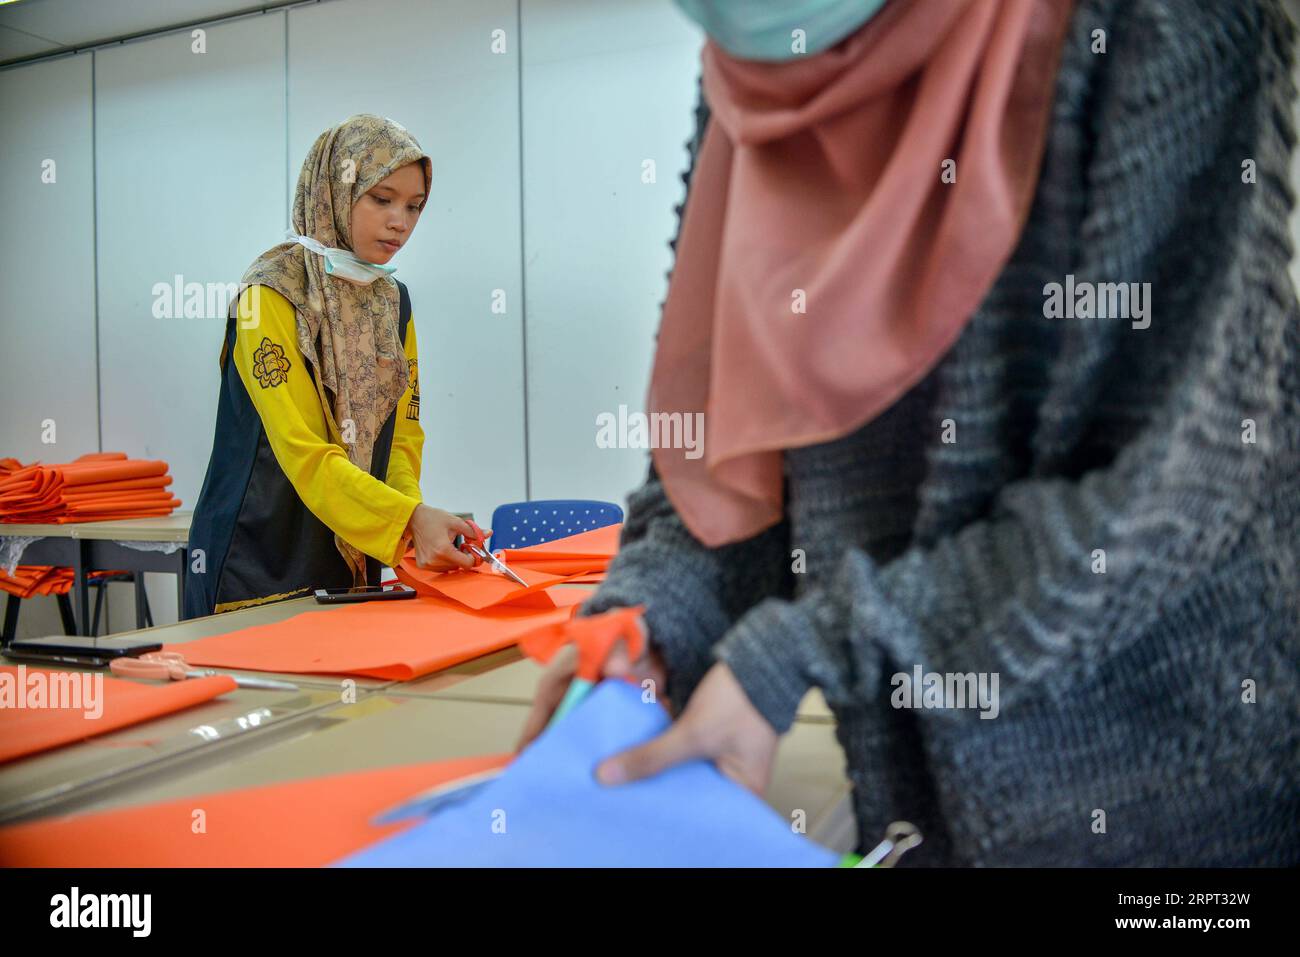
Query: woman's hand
x,y
555,681
432,532
719,723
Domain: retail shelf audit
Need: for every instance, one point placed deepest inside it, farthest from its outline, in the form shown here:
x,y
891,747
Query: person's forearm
x,y
1020,594
691,593
365,512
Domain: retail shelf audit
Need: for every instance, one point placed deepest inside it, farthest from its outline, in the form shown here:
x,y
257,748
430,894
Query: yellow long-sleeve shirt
x,y
368,514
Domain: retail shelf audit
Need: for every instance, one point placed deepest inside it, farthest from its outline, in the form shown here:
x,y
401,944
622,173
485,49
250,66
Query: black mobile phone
x,y
79,649
391,592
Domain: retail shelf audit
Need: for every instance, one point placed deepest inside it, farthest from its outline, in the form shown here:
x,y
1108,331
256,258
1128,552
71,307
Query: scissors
x,y
478,548
169,665
900,837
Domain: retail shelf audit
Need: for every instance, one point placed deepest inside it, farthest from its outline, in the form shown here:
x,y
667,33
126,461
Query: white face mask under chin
x,y
341,263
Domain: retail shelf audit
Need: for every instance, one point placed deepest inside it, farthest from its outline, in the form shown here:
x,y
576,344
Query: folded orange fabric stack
x,y
94,488
29,580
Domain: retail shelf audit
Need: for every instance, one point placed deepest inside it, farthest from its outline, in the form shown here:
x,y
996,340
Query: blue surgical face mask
x,y
765,29
342,263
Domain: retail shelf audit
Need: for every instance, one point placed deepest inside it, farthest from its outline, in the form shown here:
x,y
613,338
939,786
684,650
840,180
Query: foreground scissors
x,y
478,548
171,666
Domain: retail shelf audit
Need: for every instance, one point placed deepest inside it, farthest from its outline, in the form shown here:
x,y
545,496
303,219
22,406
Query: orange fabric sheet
x,y
149,482
29,580
95,487
307,823
480,588
386,639
25,731
581,559
597,543
561,566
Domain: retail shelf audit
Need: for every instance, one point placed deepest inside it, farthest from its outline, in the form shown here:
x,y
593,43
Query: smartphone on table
x,y
82,650
393,591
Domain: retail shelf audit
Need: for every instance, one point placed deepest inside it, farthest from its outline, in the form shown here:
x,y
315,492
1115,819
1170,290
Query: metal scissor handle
x,y
900,837
476,546
479,549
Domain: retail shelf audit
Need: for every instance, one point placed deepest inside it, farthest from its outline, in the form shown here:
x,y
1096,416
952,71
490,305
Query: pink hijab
x,y
847,214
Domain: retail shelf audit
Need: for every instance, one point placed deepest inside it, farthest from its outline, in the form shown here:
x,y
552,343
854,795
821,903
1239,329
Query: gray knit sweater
x,y
965,530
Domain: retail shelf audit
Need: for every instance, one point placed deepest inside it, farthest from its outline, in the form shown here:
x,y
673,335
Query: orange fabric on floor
x,y
25,731
96,487
29,580
307,823
384,639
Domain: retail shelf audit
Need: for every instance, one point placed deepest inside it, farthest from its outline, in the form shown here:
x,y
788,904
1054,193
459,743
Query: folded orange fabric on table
x,y
387,639
597,543
150,482
580,559
480,588
96,487
27,726
308,823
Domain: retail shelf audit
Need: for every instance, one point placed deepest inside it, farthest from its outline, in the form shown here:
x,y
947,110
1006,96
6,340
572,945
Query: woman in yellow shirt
x,y
314,480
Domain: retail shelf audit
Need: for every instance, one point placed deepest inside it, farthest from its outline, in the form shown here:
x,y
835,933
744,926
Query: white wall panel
x,y
429,65
606,88
47,266
191,155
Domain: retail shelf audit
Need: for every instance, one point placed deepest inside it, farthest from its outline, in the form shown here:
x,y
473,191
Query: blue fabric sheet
x,y
548,810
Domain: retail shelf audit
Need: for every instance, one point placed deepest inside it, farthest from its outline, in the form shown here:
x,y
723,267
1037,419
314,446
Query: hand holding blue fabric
x,y
719,724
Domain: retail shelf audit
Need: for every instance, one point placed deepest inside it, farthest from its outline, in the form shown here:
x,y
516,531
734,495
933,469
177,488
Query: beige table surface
x,y
57,780
383,729
166,528
248,737
53,780
210,625
508,677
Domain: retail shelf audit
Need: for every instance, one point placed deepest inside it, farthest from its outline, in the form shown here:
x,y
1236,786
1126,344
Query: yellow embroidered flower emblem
x,y
269,364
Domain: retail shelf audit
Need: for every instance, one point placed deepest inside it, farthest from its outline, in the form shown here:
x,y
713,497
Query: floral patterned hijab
x,y
347,332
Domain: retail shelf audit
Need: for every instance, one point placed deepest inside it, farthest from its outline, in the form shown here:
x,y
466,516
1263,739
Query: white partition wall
x,y
47,266
434,68
48,370
190,156
608,89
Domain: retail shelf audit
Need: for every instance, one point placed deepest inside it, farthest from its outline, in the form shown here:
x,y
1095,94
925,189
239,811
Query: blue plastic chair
x,y
520,524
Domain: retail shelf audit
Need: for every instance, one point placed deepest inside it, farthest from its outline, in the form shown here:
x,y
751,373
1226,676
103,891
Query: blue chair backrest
x,y
520,524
